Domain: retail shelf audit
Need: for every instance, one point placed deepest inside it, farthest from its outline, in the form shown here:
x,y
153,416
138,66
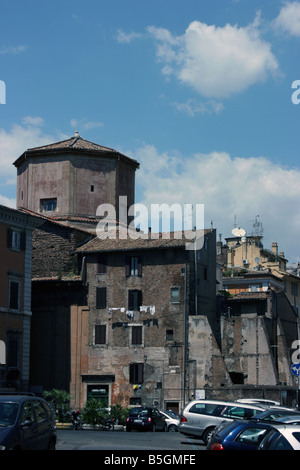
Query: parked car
x,y
239,435
262,401
200,417
145,419
281,437
275,414
289,419
26,423
172,420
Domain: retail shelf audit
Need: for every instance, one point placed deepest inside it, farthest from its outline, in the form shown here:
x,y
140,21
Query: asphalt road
x,y
124,441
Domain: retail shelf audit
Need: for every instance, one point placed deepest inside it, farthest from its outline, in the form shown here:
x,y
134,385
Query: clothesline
x,y
130,313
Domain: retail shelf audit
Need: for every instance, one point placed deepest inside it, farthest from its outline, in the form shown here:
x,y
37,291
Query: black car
x,y
145,419
26,423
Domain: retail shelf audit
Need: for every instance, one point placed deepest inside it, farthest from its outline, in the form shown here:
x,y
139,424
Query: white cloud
x,y
12,49
227,186
8,202
192,107
126,37
215,61
85,124
288,19
15,141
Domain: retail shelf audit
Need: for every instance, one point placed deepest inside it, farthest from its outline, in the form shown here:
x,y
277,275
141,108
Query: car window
x,y
296,436
206,408
239,412
27,413
280,444
139,412
40,411
251,435
8,413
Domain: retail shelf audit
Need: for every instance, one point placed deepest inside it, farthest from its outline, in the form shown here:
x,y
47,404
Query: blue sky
x,y
199,92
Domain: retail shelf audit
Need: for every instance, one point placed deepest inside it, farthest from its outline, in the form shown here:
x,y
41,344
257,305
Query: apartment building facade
x,y
134,347
15,297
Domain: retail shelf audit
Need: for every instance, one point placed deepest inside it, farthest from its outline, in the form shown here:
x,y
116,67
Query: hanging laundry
x,y
129,313
152,309
144,308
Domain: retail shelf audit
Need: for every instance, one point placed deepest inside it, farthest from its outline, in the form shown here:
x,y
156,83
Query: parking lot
x,y
124,441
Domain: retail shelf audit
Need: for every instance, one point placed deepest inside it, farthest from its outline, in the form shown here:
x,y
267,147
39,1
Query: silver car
x,y
200,417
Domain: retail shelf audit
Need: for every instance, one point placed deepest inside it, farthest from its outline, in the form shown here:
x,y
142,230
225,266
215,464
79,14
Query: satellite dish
x,y
239,232
257,260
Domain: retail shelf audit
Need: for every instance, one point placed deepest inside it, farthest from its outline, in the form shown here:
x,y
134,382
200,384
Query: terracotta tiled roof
x,y
149,241
248,296
74,144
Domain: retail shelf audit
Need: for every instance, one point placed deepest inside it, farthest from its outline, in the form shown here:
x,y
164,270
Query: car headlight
x,y
2,447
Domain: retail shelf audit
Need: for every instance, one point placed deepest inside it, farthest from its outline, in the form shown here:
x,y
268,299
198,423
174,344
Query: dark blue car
x,y
26,423
239,435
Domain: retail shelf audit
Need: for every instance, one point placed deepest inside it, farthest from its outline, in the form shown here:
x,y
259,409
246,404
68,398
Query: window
x,y
27,414
134,299
254,288
252,436
136,373
40,411
175,295
169,335
239,412
101,264
100,297
133,266
13,350
137,335
92,188
48,205
16,239
100,334
14,294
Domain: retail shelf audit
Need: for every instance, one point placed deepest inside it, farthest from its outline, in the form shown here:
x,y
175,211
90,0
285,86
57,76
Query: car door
x,y
43,425
28,427
158,419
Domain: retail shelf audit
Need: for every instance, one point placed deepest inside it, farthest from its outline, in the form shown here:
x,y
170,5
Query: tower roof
x,y
75,144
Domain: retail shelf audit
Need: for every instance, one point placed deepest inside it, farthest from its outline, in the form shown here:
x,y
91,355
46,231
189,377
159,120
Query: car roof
x,y
289,418
17,397
230,403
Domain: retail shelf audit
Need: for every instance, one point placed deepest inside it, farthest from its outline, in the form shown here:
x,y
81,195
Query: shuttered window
x,y
100,297
137,373
133,266
101,264
100,334
137,335
135,299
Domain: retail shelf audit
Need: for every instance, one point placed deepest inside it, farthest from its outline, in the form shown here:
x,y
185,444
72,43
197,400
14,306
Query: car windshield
x,y
8,413
139,412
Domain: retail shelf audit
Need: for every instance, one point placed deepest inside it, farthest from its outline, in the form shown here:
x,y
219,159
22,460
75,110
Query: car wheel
x,y
207,435
52,445
172,428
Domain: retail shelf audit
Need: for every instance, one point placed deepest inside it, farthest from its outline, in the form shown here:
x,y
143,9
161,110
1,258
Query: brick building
x,y
135,348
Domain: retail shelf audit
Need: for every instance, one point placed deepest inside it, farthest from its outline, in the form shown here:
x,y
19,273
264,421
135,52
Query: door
x,y
101,392
28,428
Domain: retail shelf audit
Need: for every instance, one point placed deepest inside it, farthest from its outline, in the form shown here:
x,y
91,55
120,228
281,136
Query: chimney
x,y
275,248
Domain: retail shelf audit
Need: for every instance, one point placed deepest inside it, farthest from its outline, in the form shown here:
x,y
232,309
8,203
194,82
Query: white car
x,y
261,401
282,437
172,420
